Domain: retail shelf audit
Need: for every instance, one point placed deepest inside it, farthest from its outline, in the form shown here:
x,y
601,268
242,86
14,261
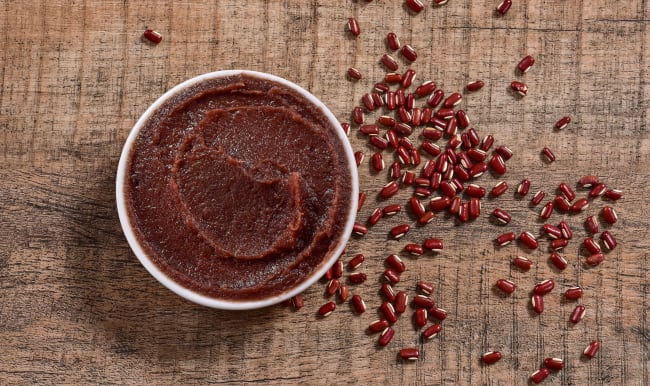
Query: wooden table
x,y
77,307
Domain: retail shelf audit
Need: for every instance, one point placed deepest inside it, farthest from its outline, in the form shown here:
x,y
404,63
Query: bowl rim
x,y
220,303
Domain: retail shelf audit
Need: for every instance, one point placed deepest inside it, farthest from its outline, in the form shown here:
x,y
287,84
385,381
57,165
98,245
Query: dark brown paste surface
x,y
238,188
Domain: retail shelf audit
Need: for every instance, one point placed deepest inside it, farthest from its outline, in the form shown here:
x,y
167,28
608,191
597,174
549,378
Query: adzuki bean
x,y
491,357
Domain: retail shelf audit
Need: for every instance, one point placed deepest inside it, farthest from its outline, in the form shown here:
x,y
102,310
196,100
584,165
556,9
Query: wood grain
x,y
76,307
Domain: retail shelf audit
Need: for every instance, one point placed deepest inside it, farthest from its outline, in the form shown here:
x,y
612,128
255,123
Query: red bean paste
x,y
238,188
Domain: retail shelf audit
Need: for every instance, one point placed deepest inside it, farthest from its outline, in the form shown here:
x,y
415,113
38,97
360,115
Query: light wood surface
x,y
76,307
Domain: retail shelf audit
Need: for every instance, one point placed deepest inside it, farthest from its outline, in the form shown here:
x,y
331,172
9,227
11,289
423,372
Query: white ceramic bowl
x,y
186,293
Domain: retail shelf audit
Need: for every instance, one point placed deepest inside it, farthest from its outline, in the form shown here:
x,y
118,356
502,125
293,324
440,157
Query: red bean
x,y
562,204
396,263
358,157
609,214
401,299
435,98
392,209
613,194
463,212
597,190
475,85
388,292
357,278
353,26
580,205
403,128
423,301
567,191
153,36
544,287
452,100
548,154
577,314
595,259
555,364
359,229
546,211
478,169
539,375
431,148
519,88
487,142
388,311
591,224
591,350
420,317
591,245
357,115
505,238
573,293
392,77
497,164
297,302
377,162
326,309
368,102
391,275
356,261
522,263
432,331
608,240
409,52
399,231
434,245
499,189
378,325
438,313
409,354
566,230
389,190
415,5
504,6
474,207
358,304
425,287
389,62
504,152
374,217
346,128
354,74
529,240
476,154
332,286
506,286
337,269
491,357
386,336
524,187
381,87
392,41
537,301
450,130
408,178
501,215
525,64
537,197
562,123
588,181
552,231
415,249
463,119
343,293
558,261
